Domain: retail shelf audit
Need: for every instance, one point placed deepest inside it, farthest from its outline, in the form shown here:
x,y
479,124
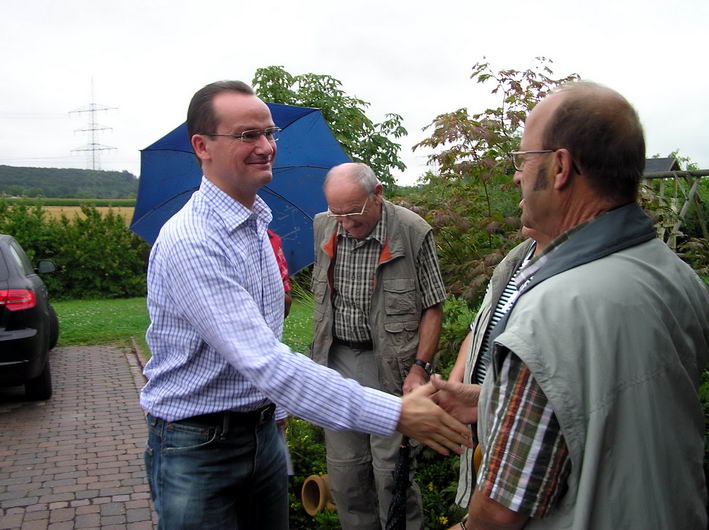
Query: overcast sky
x,y
147,58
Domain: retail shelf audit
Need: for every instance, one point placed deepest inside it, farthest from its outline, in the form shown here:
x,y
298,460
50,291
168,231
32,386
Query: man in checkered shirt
x,y
379,294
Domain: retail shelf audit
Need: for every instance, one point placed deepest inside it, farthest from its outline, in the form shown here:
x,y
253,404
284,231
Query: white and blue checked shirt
x,y
215,299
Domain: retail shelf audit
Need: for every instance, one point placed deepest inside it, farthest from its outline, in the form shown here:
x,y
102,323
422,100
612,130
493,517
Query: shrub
x,y
457,317
96,255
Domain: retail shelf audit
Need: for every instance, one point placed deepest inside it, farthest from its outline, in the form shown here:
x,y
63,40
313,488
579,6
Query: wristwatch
x,y
426,366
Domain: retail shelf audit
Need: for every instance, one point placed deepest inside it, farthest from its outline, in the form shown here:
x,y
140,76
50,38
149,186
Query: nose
x,y
346,222
264,145
517,178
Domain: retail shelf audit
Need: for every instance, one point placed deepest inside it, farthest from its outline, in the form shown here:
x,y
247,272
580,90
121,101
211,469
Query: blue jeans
x,y
208,477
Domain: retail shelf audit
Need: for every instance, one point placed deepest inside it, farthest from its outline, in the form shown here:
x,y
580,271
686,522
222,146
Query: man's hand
x,y
485,513
426,422
416,377
458,399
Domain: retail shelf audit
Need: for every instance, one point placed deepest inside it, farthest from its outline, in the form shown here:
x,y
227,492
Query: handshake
x,y
438,414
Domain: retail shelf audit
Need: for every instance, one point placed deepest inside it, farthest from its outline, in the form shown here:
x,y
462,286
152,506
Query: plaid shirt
x,y
215,299
355,268
526,462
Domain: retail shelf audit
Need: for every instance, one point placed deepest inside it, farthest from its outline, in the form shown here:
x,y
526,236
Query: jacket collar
x,y
613,231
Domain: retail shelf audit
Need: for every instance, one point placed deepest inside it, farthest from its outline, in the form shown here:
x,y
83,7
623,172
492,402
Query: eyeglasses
x,y
251,137
518,156
333,214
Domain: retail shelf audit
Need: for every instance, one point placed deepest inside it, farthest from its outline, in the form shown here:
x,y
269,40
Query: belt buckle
x,y
265,413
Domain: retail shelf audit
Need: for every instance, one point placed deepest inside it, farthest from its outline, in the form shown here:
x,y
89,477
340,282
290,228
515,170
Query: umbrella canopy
x,y
307,149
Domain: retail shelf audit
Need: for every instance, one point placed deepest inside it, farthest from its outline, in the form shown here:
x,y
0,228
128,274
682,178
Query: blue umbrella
x,y
307,149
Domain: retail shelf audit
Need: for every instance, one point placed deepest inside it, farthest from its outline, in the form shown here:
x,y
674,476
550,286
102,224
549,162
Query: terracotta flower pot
x,y
316,495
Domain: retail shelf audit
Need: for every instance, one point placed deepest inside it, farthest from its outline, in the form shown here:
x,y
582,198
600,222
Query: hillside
x,y
55,182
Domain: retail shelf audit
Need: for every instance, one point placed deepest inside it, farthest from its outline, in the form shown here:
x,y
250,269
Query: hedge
x,y
95,254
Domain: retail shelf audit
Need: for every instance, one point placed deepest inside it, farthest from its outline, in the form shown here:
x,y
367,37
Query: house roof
x,y
657,165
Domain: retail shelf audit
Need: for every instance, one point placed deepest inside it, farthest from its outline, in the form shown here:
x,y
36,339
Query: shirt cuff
x,y
280,414
382,412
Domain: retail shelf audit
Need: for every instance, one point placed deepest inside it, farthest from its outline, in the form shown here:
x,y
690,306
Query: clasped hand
x,y
460,400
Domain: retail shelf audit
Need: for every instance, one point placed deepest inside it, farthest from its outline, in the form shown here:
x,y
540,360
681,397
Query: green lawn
x,y
101,321
84,322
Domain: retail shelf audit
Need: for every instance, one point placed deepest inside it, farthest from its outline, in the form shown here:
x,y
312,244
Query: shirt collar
x,y
231,211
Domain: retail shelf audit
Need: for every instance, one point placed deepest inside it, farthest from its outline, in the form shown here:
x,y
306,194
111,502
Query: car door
x,y
4,285
31,277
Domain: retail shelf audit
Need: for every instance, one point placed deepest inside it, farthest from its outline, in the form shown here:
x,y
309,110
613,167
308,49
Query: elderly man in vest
x,y
378,311
589,415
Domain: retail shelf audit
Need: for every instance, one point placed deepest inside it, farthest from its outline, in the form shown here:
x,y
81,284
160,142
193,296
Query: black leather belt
x,y
356,345
231,417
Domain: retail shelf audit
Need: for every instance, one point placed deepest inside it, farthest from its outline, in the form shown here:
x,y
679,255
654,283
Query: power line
x,y
93,128
32,115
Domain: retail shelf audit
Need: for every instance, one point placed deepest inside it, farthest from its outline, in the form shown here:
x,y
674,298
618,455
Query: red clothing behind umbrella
x,y
275,240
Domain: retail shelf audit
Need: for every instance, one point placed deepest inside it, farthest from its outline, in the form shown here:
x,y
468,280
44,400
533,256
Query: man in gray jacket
x,y
589,415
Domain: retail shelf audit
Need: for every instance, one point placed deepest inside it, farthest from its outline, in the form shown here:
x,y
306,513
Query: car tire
x,y
40,388
53,327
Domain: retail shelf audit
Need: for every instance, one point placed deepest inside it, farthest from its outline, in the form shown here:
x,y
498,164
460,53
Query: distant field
x,y
123,203
55,212
55,208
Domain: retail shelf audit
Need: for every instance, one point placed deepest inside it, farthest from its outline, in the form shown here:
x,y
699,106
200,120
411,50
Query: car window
x,y
21,258
4,272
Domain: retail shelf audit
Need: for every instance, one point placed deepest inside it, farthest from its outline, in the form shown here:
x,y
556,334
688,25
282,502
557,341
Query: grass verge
x,y
83,322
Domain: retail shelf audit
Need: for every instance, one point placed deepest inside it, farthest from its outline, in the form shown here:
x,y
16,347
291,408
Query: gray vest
x,y
396,305
618,345
500,276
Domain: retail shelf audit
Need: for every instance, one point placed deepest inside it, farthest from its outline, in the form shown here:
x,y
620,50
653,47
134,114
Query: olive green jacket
x,y
396,305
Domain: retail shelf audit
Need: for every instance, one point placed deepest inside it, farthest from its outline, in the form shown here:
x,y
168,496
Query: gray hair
x,y
360,173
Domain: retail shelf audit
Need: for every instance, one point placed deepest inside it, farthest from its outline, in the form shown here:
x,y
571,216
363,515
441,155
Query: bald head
x,y
604,135
354,198
352,173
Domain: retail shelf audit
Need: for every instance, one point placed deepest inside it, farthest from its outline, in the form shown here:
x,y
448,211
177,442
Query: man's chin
x,y
265,174
527,232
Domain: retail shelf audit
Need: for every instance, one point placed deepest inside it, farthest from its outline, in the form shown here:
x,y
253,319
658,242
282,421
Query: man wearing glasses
x,y
214,459
378,294
589,415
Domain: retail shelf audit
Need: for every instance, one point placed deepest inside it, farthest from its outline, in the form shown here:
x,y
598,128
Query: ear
x,y
200,147
563,168
379,190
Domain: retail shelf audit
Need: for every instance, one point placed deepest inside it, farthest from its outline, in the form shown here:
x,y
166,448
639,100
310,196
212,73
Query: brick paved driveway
x,y
76,461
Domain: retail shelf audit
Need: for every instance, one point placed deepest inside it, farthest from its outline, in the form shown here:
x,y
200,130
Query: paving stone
x,y
142,525
76,460
42,515
89,520
113,508
112,520
138,514
11,521
64,525
35,525
64,514
91,508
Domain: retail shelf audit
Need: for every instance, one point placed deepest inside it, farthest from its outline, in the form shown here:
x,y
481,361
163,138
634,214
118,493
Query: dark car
x,y
28,323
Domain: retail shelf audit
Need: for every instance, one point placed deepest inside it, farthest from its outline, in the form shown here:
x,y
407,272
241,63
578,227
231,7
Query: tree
x,y
362,139
470,200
